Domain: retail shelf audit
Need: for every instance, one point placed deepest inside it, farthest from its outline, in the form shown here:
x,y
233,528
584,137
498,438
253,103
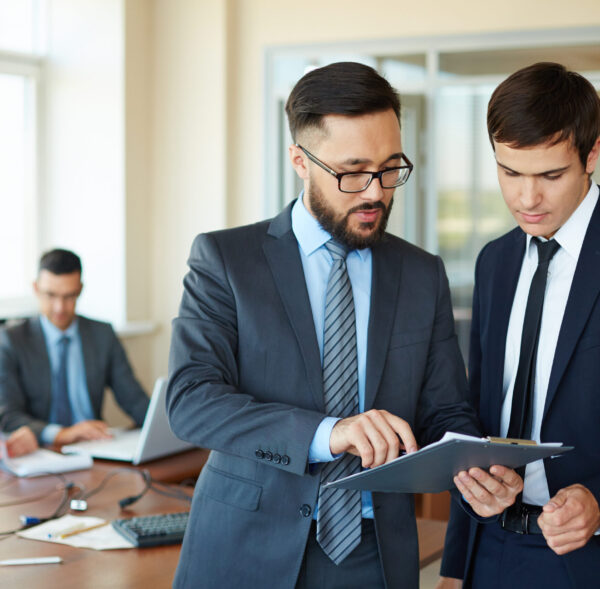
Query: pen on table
x,y
72,532
77,529
40,560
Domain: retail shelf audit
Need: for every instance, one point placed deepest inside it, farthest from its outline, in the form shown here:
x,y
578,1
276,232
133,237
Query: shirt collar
x,y
53,333
309,233
571,235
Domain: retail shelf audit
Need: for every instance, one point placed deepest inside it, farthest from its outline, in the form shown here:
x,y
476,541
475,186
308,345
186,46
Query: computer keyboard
x,y
153,530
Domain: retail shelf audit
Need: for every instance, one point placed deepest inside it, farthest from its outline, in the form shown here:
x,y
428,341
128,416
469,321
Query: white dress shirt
x,y
560,276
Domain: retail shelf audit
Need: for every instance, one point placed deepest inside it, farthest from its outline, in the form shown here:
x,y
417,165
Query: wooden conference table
x,y
124,569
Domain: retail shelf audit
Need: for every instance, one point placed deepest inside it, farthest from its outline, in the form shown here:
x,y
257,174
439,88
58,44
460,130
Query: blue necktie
x,y
61,405
339,517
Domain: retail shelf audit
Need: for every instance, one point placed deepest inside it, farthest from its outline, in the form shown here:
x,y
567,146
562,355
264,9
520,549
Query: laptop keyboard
x,y
153,530
123,446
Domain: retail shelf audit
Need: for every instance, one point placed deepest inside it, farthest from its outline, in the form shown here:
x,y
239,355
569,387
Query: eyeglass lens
x,y
389,179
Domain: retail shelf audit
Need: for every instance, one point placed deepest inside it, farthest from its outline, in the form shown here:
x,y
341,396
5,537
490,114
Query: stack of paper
x,y
43,462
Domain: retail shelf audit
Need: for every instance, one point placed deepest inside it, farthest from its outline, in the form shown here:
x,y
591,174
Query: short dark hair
x,y
343,88
545,102
59,261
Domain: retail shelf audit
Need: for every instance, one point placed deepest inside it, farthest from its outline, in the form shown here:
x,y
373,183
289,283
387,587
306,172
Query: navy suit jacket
x,y
246,381
26,382
572,410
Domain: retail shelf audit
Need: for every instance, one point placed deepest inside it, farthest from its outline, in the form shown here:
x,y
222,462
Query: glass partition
x,y
452,204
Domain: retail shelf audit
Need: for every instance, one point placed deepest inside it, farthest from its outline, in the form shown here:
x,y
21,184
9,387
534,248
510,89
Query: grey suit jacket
x,y
25,378
246,381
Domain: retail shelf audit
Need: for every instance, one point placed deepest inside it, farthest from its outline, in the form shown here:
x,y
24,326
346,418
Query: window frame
x,y
29,67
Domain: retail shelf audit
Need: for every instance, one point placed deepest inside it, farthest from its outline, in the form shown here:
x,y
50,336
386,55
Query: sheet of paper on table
x,y
43,462
101,538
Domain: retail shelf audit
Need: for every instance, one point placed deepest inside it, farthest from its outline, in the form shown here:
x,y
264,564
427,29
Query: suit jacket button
x,y
259,454
305,510
268,456
276,458
285,460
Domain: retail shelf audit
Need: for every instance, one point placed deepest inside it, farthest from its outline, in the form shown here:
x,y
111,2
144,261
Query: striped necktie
x,y
339,515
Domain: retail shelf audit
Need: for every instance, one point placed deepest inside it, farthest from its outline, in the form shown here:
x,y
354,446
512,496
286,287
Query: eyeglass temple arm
x,y
319,163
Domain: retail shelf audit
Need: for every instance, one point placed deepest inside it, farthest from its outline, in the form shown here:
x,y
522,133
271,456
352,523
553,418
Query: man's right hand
x,y
92,429
376,436
21,441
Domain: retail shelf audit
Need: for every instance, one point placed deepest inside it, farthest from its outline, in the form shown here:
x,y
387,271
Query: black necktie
x,y
61,405
521,416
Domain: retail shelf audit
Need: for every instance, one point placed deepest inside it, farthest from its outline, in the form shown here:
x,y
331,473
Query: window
x,y
452,204
17,182
19,88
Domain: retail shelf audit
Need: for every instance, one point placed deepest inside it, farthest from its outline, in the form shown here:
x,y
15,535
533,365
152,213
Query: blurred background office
x,y
129,126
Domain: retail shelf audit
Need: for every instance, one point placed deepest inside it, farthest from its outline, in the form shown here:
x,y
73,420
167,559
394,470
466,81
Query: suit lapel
x,y
582,297
90,361
501,292
385,284
283,257
41,361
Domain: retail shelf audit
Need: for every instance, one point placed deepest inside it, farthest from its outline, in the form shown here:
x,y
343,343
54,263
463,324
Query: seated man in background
x,y
54,367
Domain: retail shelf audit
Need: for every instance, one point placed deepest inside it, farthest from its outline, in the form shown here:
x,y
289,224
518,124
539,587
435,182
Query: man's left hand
x,y
490,493
570,519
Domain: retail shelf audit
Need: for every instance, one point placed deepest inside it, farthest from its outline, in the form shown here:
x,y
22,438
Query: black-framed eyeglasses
x,y
359,181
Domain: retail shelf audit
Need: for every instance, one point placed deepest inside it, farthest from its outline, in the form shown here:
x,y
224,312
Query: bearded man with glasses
x,y
310,346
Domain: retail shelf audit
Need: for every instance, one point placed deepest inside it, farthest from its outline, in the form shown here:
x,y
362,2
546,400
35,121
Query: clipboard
x,y
432,469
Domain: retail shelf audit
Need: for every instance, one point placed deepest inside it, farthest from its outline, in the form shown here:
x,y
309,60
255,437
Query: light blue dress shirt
x,y
316,262
79,397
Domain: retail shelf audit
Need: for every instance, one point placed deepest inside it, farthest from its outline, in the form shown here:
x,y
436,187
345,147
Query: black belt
x,y
521,518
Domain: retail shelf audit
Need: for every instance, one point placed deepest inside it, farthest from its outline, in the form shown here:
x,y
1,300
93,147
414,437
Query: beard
x,y
339,229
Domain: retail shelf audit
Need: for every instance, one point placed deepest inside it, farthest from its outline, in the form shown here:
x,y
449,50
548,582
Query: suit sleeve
x,y
457,533
13,408
443,402
127,390
205,402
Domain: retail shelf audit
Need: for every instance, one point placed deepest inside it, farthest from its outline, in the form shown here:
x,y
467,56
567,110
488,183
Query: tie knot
x,y
336,249
546,249
64,341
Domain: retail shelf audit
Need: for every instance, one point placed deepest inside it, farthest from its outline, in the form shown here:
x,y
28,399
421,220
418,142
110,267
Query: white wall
x,y
189,179
82,176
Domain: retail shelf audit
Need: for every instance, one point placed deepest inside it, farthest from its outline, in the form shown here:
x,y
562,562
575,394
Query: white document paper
x,y
102,538
43,462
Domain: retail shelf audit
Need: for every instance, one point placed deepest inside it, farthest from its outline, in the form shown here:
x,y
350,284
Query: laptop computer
x,y
153,440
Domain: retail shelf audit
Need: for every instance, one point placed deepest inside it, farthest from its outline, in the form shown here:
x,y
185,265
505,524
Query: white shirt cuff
x,y
49,433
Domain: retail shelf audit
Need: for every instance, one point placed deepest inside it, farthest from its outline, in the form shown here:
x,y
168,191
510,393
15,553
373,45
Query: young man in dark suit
x,y
534,365
54,367
310,344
